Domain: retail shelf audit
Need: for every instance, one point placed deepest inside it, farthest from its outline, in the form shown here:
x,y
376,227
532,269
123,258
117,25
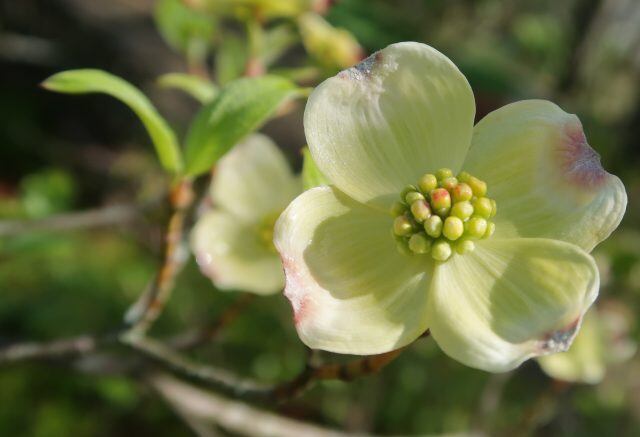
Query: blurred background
x,y
60,154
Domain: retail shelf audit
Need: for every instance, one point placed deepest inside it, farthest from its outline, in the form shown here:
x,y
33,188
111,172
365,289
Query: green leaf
x,y
241,107
182,27
311,174
200,89
98,81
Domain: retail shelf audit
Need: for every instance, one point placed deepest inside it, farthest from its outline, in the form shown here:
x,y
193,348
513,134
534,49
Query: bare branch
x,y
231,415
55,349
106,216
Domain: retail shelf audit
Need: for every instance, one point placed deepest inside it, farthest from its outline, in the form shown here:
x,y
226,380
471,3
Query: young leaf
x,y
240,108
200,89
311,174
98,81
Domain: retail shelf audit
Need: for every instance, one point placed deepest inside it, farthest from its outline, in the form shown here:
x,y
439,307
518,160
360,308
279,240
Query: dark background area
x,y
61,153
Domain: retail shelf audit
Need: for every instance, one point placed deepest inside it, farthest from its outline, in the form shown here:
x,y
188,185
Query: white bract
x,y
251,186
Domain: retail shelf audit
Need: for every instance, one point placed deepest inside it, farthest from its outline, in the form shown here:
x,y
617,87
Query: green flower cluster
x,y
442,213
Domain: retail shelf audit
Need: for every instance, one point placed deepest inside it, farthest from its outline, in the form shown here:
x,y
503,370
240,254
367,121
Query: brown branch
x,y
106,216
206,334
146,311
50,350
207,408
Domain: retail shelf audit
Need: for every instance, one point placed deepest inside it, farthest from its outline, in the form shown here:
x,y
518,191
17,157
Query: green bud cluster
x,y
441,214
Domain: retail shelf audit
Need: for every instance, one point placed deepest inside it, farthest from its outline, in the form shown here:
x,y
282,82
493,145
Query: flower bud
x,y
427,183
478,187
444,173
420,210
419,243
465,246
441,250
449,183
494,208
433,226
491,227
412,196
406,190
440,201
403,247
461,192
463,176
402,226
453,228
462,210
482,206
476,227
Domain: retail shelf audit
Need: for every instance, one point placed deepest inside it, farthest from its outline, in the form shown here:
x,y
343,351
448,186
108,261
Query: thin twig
x,y
56,349
151,304
106,216
206,334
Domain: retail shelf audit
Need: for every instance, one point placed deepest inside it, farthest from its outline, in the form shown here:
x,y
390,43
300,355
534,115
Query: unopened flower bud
x,y
441,250
449,183
465,246
494,208
440,201
482,206
412,196
403,247
402,226
419,243
461,192
406,190
491,227
433,226
420,210
444,173
478,187
476,227
453,228
427,183
462,210
463,176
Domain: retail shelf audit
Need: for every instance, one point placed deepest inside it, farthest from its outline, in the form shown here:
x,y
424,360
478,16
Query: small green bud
x,y
453,228
403,246
427,183
478,187
419,243
461,192
449,183
494,208
491,227
412,196
476,227
440,201
420,210
482,207
444,173
402,226
406,190
465,246
441,250
433,226
398,208
463,176
462,210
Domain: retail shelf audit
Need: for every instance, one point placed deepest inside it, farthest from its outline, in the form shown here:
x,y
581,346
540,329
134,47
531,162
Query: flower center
x,y
265,230
443,213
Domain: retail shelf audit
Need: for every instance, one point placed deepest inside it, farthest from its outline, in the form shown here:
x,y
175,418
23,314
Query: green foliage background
x,y
59,154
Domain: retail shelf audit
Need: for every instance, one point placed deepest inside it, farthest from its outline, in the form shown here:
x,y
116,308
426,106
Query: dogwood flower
x,y
494,222
603,341
233,242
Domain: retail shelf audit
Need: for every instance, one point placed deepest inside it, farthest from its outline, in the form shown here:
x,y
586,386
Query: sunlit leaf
x,y
239,109
200,89
98,81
